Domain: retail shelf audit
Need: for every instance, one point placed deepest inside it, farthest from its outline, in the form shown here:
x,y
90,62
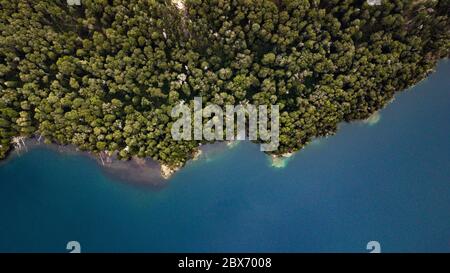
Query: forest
x,y
104,75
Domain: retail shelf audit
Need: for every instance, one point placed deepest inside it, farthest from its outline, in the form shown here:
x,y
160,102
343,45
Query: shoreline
x,y
143,172
150,173
136,171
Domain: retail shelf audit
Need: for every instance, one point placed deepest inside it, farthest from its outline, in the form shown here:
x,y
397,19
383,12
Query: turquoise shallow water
x,y
388,182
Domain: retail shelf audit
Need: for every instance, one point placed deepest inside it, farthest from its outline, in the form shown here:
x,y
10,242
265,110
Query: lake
x,y
388,181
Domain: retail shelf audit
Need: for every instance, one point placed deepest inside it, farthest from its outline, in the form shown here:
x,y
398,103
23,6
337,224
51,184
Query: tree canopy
x,y
105,75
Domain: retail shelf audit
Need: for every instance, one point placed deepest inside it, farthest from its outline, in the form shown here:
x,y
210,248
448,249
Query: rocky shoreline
x,y
139,171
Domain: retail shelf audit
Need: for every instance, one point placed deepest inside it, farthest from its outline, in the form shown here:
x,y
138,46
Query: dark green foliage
x,y
105,75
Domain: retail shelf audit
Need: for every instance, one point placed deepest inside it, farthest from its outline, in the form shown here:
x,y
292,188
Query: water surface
x,y
388,181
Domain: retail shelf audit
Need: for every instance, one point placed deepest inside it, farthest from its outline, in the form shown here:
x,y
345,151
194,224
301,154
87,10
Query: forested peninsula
x,y
104,75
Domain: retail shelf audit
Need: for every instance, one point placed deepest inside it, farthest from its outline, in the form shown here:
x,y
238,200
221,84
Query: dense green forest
x,y
105,75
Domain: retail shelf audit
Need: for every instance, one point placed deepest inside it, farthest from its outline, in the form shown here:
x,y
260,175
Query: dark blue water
x,y
388,182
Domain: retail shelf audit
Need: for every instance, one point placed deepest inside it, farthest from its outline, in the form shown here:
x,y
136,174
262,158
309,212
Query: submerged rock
x,y
373,119
281,161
